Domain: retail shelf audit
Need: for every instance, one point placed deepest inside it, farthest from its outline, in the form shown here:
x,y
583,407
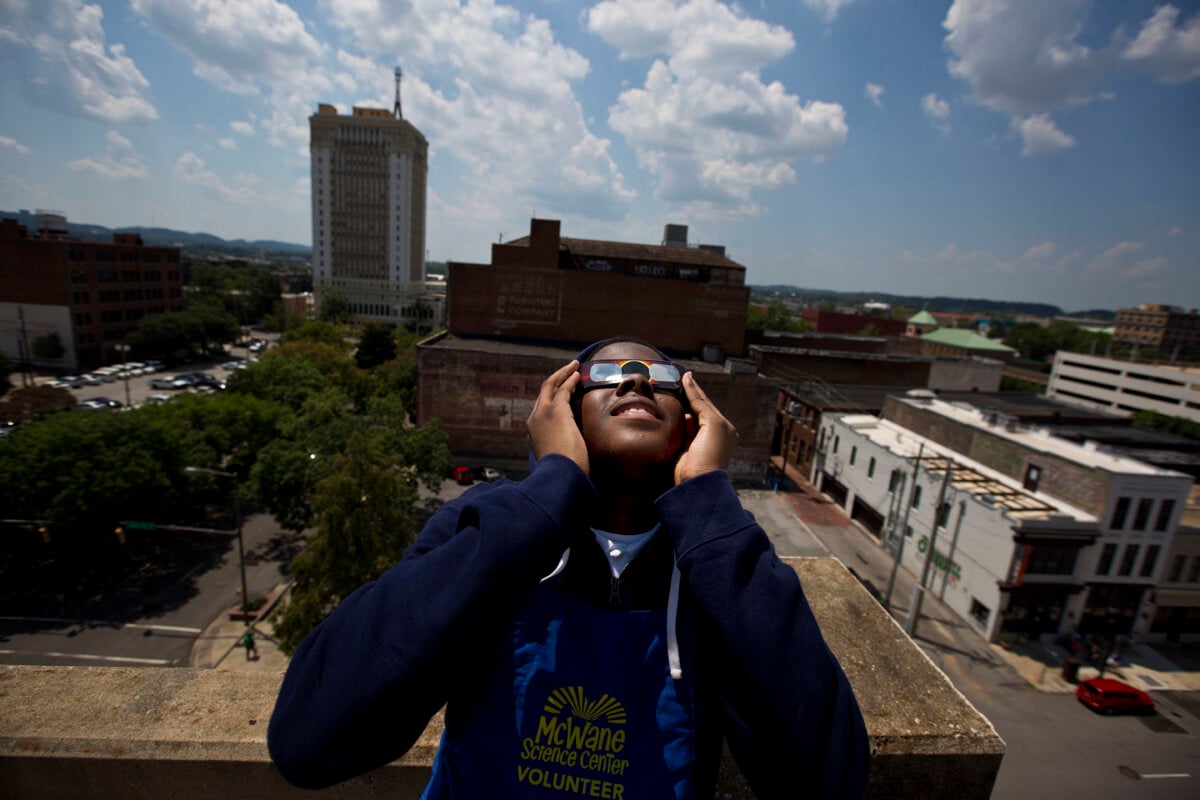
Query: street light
x,y
237,509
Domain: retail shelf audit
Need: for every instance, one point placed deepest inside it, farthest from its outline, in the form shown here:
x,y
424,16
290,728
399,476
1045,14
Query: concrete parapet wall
x,y
73,732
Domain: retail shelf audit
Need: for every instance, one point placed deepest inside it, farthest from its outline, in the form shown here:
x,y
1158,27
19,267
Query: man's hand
x,y
711,437
551,424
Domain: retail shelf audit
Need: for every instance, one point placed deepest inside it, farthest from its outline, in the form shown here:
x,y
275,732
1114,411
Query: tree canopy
x,y
776,317
48,347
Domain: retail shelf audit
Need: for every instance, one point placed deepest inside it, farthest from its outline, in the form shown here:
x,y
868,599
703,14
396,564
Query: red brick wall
x,y
482,398
526,302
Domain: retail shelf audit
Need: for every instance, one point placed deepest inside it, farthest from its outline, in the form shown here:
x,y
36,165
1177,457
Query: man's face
x,y
629,421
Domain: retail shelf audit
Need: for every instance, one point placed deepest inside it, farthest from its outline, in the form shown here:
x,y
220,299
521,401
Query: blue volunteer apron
x,y
580,703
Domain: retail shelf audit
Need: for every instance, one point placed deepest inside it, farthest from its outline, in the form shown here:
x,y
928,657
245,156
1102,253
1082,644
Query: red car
x,y
462,475
1110,696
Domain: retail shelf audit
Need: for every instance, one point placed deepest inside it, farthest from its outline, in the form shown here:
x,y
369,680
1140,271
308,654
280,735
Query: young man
x,y
594,630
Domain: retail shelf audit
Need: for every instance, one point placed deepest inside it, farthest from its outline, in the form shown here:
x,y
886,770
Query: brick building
x,y
549,287
516,320
837,322
482,390
1161,327
90,293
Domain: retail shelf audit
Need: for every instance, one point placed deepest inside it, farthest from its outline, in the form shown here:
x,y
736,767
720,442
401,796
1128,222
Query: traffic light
x,y
120,531
45,532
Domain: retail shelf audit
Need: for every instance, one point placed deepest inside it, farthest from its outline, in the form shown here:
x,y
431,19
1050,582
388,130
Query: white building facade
x,y
1122,387
368,211
1006,554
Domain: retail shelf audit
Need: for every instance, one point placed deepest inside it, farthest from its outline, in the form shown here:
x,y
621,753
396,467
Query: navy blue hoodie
x,y
363,686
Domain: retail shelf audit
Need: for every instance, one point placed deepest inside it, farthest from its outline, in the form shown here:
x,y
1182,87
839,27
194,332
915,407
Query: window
x,y
1127,559
1106,559
943,517
1176,568
871,468
836,441
1049,560
1149,562
1194,572
1165,510
895,480
1142,517
916,501
1032,476
1120,512
980,612
853,455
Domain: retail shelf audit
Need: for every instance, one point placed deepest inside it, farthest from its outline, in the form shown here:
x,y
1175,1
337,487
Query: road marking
x,y
89,657
106,624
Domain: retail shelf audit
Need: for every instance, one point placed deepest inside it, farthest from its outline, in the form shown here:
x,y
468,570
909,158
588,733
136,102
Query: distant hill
x,y
193,243
949,304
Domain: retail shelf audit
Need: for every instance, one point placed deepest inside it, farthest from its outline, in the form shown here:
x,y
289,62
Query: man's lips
x,y
636,408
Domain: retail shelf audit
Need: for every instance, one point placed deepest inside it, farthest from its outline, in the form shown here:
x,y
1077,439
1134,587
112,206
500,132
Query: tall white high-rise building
x,y
368,211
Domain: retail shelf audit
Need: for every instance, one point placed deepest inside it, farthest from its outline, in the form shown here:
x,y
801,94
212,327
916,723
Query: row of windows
x,y
125,256
1128,560
1142,514
125,275
1177,572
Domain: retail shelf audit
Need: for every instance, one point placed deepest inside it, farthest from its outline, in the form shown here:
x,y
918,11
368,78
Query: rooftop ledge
x,y
70,732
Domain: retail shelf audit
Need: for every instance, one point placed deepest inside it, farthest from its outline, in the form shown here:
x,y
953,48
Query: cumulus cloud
x,y
120,162
494,89
58,51
1040,135
9,143
191,169
828,9
704,123
1175,231
1039,252
228,142
937,111
242,127
1022,56
251,47
874,93
1170,50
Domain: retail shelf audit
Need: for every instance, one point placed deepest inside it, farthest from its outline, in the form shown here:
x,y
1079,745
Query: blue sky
x,y
1007,149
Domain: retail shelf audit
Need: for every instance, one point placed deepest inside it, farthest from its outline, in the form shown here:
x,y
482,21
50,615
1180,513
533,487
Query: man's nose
x,y
637,383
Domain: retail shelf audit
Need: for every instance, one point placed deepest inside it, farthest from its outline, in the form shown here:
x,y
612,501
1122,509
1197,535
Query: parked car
x,y
462,475
90,379
99,404
156,399
492,474
166,383
1110,696
68,382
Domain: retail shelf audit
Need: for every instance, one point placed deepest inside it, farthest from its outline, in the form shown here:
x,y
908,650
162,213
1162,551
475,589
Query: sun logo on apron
x,y
572,697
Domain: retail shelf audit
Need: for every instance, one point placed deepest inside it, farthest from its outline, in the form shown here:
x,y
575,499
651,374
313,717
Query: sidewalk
x,y
940,630
220,646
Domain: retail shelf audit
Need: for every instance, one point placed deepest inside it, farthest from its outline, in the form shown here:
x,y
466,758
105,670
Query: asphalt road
x,y
169,622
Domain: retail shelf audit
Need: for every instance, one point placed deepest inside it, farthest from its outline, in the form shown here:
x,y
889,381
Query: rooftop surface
x,y
988,485
562,351
675,254
1041,440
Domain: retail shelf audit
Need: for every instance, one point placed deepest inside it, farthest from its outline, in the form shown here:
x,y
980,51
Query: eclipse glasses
x,y
663,376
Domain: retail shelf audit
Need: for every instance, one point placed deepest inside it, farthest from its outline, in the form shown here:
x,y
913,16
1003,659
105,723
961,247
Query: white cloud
x,y
1040,135
704,123
191,169
9,143
242,127
1022,56
493,89
937,111
874,93
1039,252
1169,51
251,47
1147,268
58,51
120,162
228,142
1175,231
828,9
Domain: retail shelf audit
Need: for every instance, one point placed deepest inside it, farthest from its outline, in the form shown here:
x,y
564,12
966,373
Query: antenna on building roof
x,y
399,74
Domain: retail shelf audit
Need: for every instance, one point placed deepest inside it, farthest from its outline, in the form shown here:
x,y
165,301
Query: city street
x,y
169,622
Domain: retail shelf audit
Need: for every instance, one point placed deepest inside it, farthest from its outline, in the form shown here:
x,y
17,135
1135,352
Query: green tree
x,y
218,324
1152,420
48,347
35,402
334,307
776,317
293,372
318,332
375,346
163,335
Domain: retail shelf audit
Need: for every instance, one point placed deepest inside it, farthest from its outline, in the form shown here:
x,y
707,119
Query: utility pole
x,y
887,600
918,598
26,378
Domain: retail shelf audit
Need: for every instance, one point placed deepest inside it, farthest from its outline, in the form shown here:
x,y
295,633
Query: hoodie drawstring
x,y
673,660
